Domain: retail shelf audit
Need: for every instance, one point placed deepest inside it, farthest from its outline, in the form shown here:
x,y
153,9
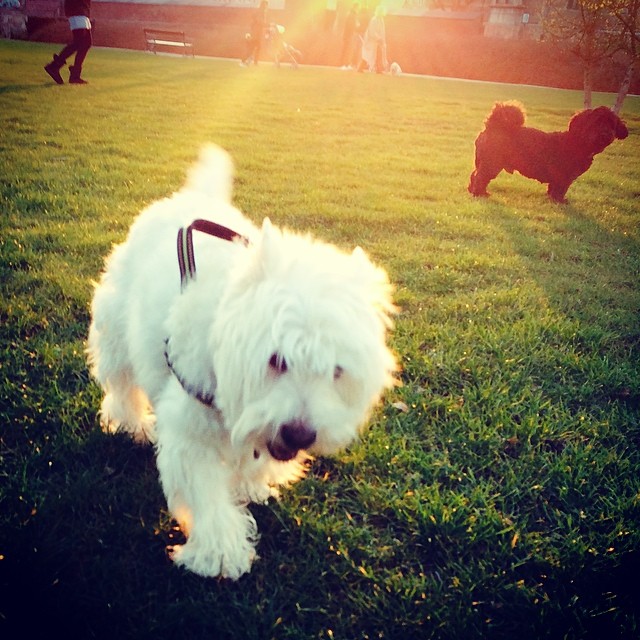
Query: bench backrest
x,y
163,34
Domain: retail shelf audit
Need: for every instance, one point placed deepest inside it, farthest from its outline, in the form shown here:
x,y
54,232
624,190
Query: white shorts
x,y
79,22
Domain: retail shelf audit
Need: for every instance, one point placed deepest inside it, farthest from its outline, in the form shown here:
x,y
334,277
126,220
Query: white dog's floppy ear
x,y
212,174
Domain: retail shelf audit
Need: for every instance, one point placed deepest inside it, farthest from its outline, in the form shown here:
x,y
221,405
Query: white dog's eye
x,y
337,372
277,363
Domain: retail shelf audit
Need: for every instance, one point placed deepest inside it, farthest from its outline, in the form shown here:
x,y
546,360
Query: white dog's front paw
x,y
129,413
142,431
211,563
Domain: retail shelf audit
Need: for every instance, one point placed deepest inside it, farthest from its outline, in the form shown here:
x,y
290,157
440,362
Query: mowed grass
x,y
497,491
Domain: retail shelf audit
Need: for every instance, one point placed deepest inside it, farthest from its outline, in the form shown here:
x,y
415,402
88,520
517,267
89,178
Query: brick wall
x,y
441,47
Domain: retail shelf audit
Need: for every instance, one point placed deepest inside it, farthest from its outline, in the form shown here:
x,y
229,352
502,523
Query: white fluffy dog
x,y
271,351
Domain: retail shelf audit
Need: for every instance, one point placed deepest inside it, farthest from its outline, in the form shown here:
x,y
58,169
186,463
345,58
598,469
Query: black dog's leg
x,y
480,179
557,192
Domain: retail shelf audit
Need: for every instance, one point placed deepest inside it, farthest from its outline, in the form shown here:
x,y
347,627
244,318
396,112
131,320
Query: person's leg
x,y
379,59
83,42
251,51
59,60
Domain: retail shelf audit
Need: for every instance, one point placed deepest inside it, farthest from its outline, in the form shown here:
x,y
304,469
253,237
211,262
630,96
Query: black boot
x,y
74,76
53,69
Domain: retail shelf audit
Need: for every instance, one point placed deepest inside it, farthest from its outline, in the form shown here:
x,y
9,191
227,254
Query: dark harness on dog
x,y
186,257
187,265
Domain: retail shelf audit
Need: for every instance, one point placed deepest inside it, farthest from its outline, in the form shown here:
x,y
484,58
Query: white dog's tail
x,y
212,175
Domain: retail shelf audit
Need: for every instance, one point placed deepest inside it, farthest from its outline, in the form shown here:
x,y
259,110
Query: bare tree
x,y
589,29
627,15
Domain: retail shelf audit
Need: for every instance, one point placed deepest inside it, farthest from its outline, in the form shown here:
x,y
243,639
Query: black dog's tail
x,y
505,115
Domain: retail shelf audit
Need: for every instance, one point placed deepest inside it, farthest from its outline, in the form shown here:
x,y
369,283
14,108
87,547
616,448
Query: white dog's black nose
x,y
291,438
297,435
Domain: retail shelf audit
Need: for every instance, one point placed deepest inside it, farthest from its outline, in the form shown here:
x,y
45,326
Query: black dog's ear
x,y
612,119
599,117
621,129
581,121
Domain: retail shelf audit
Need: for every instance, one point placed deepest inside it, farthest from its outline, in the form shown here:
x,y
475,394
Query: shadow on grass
x,y
90,559
97,504
20,88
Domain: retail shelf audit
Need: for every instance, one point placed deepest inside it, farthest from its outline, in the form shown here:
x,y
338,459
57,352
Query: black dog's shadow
x,y
572,226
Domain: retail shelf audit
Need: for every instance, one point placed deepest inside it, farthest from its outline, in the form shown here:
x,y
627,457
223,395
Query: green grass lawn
x,y
497,491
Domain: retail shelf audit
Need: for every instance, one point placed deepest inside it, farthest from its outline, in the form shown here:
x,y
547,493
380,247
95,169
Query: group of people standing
x,y
364,40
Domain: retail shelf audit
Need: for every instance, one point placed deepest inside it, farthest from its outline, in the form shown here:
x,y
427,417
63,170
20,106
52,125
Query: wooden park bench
x,y
162,38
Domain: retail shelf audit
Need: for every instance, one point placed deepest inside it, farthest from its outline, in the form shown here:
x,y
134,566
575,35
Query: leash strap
x,y
186,257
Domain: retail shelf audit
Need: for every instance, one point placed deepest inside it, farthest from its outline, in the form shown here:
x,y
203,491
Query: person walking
x,y
256,35
374,48
78,13
350,26
364,17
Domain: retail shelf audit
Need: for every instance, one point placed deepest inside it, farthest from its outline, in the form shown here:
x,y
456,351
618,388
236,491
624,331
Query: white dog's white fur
x,y
287,333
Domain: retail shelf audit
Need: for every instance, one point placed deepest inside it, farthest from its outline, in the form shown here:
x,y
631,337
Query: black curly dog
x,y
556,159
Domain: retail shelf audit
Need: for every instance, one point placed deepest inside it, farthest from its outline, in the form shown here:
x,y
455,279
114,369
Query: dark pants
x,y
253,47
80,46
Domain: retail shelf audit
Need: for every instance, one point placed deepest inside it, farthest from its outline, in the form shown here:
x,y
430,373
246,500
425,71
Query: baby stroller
x,y
282,51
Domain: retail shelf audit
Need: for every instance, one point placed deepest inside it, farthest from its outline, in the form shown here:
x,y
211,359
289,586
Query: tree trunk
x,y
624,88
588,85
